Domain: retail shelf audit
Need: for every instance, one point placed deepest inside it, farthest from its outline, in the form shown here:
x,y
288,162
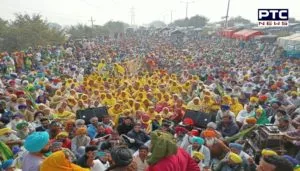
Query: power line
x,y
132,14
187,3
92,22
171,16
227,12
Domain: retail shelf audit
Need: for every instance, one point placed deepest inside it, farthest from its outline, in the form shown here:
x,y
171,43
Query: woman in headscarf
x,y
226,100
124,95
60,161
115,112
178,111
151,112
72,104
156,122
146,104
70,128
80,106
73,94
165,113
109,100
207,103
137,107
167,156
139,96
236,106
194,104
95,95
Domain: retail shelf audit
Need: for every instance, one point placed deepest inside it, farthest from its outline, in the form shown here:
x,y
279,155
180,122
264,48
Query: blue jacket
x,y
229,130
92,131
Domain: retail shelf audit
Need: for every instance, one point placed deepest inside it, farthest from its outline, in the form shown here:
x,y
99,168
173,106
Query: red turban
x,y
194,132
180,129
108,131
188,121
19,93
263,98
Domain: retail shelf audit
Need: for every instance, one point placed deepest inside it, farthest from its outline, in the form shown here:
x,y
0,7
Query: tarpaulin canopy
x,y
268,38
289,41
228,32
246,34
291,45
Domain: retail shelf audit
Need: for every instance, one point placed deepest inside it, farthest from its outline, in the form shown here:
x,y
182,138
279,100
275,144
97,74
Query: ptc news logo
x,y
273,17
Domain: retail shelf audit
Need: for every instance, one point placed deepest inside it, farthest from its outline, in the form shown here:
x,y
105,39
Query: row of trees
x,y
27,31
33,30
195,21
109,28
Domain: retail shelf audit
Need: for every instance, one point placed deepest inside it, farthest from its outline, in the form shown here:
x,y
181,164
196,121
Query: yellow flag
x,y
120,69
101,66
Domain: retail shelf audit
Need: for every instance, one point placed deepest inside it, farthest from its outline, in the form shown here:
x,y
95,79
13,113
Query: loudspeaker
x,y
87,114
200,119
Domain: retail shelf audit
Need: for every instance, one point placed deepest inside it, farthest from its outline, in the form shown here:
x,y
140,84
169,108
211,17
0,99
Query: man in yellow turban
x,y
231,162
198,157
268,152
236,106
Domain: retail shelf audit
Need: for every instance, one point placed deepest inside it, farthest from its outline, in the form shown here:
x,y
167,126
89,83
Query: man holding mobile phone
x,y
86,161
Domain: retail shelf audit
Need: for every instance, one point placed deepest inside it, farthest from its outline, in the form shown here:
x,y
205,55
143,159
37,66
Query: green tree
x,y
3,26
157,24
198,21
80,31
101,31
115,27
3,32
180,23
238,20
83,31
27,31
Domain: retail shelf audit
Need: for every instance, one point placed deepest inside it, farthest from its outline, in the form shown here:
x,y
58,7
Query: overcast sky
x,y
69,12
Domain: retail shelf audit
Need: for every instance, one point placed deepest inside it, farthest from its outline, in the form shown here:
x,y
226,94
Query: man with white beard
x,y
217,148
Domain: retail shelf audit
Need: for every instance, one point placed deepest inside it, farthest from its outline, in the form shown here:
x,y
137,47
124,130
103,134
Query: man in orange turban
x,y
251,120
80,141
209,134
217,148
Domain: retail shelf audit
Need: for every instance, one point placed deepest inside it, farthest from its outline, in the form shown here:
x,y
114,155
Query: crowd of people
x,y
242,85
